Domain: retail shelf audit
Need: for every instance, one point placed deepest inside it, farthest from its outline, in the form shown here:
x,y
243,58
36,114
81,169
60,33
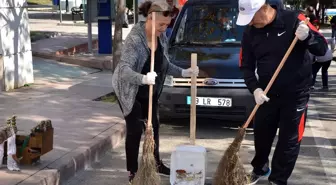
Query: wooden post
x,y
193,100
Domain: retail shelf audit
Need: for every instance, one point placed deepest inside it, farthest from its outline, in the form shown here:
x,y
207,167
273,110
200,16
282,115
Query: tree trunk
x,y
323,13
117,38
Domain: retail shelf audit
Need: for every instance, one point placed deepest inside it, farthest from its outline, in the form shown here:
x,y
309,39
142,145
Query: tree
x,y
129,4
319,6
297,4
117,38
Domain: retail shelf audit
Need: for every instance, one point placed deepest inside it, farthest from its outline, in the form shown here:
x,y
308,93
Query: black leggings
x,y
325,66
135,125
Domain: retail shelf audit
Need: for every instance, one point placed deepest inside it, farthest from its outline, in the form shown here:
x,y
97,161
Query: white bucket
x,y
188,165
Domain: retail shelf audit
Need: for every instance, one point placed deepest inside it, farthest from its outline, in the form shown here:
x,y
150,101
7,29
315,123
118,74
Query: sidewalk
x,y
83,129
72,45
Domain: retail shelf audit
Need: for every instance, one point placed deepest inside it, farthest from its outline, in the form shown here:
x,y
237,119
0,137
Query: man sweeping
x,y
267,37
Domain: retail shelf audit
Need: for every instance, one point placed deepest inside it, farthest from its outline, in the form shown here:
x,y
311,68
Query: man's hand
x,y
149,79
302,31
190,72
260,97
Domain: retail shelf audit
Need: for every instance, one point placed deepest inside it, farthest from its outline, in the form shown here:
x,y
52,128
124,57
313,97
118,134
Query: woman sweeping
x,y
132,77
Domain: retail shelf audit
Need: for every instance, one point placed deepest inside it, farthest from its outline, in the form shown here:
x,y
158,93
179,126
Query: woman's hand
x,y
190,72
149,79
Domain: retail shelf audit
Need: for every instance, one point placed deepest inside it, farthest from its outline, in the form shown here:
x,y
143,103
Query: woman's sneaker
x,y
254,178
131,177
164,170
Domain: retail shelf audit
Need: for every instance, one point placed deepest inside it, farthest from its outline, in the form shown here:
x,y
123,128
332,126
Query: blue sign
x,y
105,26
55,2
330,12
188,100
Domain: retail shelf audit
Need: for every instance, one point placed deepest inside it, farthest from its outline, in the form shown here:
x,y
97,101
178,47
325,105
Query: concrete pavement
x,y
83,129
71,46
316,164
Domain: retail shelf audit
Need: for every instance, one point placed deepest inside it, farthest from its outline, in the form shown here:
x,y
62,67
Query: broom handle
x,y
193,100
275,75
150,103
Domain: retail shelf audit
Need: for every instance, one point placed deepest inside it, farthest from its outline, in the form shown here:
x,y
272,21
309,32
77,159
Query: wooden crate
x,y
40,142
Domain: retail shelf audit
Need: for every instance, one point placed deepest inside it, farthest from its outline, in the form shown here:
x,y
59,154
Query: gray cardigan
x,y
127,76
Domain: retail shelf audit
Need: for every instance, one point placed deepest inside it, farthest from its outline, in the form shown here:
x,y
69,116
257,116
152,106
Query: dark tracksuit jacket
x,y
263,49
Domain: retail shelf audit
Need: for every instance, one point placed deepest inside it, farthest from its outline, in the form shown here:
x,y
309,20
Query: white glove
x,y
149,79
302,31
259,96
190,72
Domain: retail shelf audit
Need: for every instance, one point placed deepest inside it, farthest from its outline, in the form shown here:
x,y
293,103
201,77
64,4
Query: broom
x,y
147,173
230,170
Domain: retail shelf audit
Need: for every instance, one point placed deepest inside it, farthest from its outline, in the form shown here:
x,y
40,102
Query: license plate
x,y
211,101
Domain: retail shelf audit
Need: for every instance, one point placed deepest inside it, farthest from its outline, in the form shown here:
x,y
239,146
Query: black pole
x,y
59,5
136,11
67,5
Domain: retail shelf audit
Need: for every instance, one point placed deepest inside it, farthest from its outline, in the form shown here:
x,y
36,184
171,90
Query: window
x,y
209,24
181,28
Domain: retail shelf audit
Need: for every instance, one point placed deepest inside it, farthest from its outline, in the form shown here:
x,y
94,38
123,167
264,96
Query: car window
x,y
209,24
181,28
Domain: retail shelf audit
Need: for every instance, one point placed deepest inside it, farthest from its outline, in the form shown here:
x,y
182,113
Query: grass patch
x,y
39,2
108,98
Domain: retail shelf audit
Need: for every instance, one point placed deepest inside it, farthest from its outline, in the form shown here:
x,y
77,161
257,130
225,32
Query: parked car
x,y
209,29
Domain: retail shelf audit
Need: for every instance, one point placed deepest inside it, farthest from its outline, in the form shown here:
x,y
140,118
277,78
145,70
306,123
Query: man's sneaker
x,y
12,164
271,183
254,178
163,169
131,177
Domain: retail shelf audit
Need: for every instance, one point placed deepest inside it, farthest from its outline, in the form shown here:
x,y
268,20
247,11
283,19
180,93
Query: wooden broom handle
x,y
150,103
275,75
193,100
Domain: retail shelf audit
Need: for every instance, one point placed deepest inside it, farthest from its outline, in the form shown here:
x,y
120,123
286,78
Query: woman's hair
x,y
157,6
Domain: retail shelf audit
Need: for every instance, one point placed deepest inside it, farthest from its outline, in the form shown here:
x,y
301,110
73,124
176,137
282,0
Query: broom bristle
x,y
147,173
230,170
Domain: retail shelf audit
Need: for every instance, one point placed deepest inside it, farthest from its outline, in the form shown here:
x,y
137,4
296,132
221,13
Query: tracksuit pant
x,y
333,33
287,113
325,66
135,125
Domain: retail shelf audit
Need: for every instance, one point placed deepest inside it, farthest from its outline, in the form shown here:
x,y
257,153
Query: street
x,y
316,164
55,69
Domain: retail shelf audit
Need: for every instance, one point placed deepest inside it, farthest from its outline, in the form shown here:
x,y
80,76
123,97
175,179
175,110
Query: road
x,y
316,163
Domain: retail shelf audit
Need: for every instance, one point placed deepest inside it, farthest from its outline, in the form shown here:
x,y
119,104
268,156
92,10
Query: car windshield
x,y
209,24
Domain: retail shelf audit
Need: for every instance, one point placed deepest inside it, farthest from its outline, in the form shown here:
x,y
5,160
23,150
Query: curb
x,y
69,56
81,158
78,48
85,61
